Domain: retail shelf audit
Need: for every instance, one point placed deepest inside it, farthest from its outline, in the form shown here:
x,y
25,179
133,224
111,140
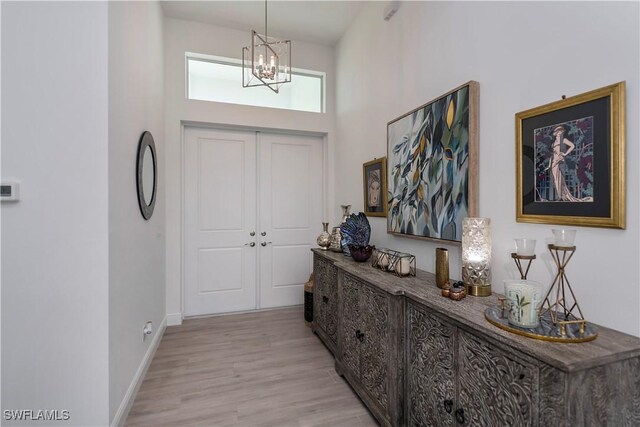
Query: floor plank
x,y
255,369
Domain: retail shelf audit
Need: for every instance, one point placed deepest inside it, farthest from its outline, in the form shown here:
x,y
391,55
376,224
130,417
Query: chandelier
x,y
267,61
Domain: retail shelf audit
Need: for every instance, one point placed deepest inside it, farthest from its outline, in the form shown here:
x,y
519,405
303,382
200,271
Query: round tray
x,y
545,331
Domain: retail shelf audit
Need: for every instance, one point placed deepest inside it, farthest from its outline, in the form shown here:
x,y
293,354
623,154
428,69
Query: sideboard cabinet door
x,y
430,373
330,297
319,274
374,353
325,301
351,325
495,387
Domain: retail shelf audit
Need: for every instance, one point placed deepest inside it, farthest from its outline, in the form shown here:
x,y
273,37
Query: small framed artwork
x,y
433,166
374,179
570,160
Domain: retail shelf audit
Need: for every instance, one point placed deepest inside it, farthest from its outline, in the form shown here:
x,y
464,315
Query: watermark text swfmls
x,y
36,415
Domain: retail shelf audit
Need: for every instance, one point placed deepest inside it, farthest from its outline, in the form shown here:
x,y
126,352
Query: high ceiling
x,y
321,22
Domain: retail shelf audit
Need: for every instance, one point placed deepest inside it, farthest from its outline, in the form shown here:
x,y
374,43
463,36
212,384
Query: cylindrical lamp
x,y
476,256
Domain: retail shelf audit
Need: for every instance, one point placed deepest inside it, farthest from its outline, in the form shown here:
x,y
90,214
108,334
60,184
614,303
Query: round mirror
x,y
146,174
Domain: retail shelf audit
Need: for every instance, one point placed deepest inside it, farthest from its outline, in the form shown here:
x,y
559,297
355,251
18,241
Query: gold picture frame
x,y
570,161
374,183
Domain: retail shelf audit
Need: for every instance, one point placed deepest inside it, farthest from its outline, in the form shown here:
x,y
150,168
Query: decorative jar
x,y
523,300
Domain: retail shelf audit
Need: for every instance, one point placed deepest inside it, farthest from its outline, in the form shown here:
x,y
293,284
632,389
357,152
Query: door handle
x,y
265,243
264,233
253,233
448,405
460,416
252,244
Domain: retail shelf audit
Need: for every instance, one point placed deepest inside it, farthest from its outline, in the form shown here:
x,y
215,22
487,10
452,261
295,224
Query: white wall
x,y
54,241
136,246
523,55
183,36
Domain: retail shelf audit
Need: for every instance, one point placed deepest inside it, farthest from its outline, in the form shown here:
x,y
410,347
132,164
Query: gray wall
x,y
55,240
136,246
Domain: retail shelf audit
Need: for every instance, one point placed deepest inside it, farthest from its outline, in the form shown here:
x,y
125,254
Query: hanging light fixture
x,y
267,61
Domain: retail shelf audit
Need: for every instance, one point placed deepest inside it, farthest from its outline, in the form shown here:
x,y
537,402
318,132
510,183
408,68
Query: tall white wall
x,y
184,36
524,54
54,240
136,246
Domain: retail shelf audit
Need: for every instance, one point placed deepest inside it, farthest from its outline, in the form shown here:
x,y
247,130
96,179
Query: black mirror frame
x,y
146,140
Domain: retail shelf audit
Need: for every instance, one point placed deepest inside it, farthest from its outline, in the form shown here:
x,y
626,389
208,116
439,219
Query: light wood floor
x,y
257,369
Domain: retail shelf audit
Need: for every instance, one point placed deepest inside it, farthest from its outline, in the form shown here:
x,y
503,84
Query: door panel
x,y
219,215
291,201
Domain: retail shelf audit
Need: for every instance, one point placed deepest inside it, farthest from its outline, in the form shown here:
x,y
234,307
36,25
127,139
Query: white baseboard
x,y
174,319
136,382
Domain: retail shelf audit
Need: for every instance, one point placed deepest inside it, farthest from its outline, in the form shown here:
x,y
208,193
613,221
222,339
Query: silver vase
x,y
336,240
346,211
324,239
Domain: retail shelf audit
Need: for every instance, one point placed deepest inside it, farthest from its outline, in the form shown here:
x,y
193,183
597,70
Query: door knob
x,y
253,233
265,243
252,244
264,233
448,405
460,416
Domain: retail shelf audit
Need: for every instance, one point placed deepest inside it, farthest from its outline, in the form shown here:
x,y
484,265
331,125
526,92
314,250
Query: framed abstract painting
x,y
374,182
570,160
432,173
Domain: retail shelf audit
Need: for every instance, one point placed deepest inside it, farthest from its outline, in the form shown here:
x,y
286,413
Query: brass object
x,y
457,294
479,290
563,305
616,142
446,289
574,331
442,267
518,260
581,326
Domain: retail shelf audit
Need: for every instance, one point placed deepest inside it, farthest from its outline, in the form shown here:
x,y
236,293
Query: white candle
x,y
524,297
383,259
403,266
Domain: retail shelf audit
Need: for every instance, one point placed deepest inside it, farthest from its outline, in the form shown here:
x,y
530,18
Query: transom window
x,y
220,80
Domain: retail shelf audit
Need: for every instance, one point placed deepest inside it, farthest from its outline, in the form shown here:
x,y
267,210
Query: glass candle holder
x,y
525,247
476,255
563,237
524,298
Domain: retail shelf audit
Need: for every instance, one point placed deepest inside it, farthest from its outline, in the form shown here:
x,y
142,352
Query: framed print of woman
x,y
568,175
570,160
374,183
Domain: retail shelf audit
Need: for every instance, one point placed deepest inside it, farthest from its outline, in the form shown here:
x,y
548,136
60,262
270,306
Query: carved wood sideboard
x,y
416,358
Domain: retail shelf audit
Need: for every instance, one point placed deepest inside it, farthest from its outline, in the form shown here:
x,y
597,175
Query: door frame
x,y
323,136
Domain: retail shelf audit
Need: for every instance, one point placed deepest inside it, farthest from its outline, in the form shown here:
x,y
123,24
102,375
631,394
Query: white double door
x,y
253,205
